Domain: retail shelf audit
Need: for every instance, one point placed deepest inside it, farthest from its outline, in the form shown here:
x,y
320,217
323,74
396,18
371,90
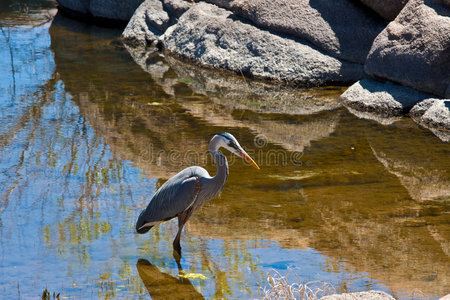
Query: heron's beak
x,y
248,159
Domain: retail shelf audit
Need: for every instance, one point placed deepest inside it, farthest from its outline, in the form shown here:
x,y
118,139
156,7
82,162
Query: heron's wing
x,y
172,198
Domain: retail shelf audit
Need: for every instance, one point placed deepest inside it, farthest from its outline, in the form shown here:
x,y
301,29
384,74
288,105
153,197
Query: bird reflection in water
x,y
164,286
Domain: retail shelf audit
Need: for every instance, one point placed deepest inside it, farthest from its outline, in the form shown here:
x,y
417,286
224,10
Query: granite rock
x,y
215,37
414,49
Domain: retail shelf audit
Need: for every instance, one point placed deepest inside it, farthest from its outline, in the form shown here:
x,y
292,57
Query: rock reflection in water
x,y
421,183
421,164
232,90
227,97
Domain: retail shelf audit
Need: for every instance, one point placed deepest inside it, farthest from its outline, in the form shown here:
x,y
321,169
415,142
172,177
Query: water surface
x,y
90,130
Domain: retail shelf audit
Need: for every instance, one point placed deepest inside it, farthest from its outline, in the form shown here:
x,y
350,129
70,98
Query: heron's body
x,y
188,190
173,197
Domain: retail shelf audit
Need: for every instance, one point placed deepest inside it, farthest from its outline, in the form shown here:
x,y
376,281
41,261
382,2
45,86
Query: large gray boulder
x,y
414,49
339,27
215,37
380,101
387,9
109,9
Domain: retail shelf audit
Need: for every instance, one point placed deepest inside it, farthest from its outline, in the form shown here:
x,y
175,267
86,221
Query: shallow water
x,y
88,134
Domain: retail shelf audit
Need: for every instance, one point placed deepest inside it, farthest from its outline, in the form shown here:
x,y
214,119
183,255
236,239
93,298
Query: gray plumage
x,y
188,190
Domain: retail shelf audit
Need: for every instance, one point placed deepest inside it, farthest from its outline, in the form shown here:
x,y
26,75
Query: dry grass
x,y
279,288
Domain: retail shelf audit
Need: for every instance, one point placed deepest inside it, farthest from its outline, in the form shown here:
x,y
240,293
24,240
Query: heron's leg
x,y
176,241
182,219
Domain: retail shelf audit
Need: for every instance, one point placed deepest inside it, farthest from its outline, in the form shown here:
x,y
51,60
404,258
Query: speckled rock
x,y
215,37
414,49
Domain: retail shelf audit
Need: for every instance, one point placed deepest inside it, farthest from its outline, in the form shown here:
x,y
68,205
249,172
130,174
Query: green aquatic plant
x,y
183,274
46,295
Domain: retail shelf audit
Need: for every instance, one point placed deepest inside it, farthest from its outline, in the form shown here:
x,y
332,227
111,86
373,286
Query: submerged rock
x,y
380,100
215,37
341,28
414,49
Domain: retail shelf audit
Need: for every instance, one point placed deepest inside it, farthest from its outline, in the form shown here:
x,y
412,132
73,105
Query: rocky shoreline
x,y
395,53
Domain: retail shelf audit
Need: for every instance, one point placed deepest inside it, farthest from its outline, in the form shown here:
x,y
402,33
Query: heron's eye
x,y
232,145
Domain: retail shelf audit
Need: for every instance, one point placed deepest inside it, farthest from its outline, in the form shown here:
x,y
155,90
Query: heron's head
x,y
230,143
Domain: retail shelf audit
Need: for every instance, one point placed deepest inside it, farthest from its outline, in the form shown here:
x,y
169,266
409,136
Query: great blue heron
x,y
186,192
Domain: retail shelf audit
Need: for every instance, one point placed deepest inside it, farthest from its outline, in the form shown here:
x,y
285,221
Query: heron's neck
x,y
222,165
